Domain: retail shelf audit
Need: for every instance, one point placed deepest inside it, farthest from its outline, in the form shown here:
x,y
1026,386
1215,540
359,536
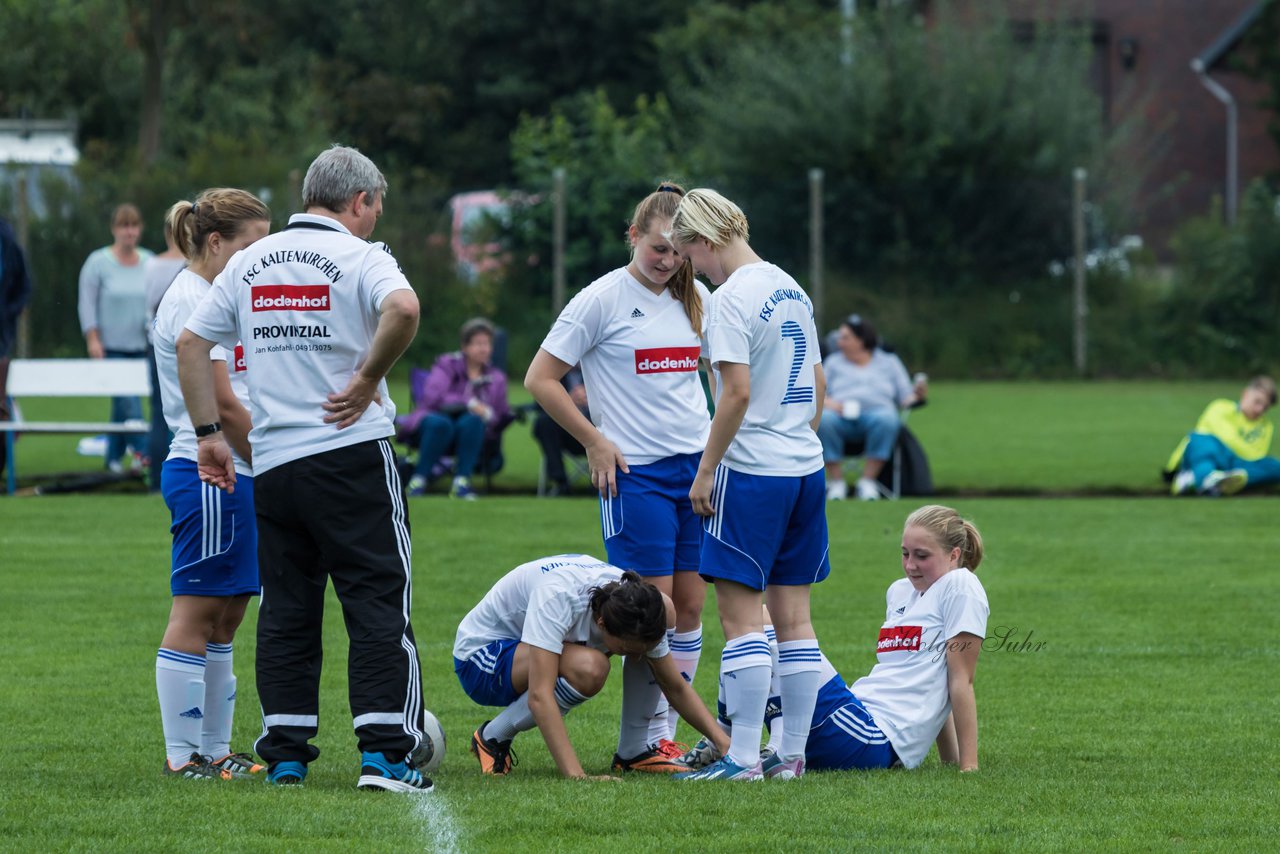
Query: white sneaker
x,y
1224,482
1185,482
868,490
837,490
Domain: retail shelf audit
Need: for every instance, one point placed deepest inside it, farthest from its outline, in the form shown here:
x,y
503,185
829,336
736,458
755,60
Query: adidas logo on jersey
x,y
193,712
635,312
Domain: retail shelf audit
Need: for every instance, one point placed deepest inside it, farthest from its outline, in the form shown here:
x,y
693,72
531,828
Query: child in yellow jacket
x,y
1227,450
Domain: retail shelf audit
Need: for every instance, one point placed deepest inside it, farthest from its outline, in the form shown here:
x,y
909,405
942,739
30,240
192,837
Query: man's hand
x,y
347,406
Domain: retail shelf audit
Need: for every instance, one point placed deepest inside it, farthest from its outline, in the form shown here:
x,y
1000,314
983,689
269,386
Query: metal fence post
x,y
817,288
1081,305
557,239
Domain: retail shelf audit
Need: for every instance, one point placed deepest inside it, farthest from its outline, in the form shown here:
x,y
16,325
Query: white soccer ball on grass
x,y
430,753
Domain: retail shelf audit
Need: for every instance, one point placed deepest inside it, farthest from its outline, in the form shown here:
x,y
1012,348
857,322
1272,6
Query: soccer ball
x,y
430,753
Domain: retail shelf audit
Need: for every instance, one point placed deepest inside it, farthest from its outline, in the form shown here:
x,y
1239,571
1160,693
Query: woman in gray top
x,y
866,388
113,315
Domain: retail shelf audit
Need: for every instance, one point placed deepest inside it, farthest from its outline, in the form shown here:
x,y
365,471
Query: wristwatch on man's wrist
x,y
208,429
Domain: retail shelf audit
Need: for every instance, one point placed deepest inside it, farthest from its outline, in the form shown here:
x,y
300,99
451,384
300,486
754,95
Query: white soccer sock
x,y
567,697
514,719
744,668
800,674
635,733
180,687
686,649
773,708
219,701
664,717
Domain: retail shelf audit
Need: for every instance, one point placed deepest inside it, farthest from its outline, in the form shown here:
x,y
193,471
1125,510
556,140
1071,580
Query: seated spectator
x,y
866,389
556,441
1227,450
461,405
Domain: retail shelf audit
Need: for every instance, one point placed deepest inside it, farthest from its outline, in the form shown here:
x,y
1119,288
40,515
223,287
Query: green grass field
x,y
981,438
1132,705
1143,720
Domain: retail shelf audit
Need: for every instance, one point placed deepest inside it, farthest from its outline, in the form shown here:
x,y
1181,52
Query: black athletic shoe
x,y
196,768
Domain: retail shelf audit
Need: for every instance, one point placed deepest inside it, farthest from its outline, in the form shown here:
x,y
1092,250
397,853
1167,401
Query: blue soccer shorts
x,y
486,675
766,530
650,526
844,736
215,535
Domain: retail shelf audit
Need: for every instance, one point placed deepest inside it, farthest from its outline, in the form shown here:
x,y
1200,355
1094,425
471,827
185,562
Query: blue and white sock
x,y
219,700
180,687
567,697
686,650
773,712
799,676
745,669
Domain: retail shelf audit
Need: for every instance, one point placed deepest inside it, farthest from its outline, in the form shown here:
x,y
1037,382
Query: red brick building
x,y
1144,53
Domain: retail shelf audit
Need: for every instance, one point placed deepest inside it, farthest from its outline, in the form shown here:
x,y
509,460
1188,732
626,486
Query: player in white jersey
x,y
323,314
215,561
539,644
759,483
921,688
638,334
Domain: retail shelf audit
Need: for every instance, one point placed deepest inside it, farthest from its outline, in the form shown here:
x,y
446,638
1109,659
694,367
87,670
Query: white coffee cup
x,y
852,409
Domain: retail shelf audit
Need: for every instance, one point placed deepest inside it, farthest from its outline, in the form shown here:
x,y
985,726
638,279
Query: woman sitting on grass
x,y
921,688
1227,450
539,644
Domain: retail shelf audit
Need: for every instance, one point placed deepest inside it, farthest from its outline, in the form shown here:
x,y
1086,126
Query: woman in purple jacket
x,y
462,403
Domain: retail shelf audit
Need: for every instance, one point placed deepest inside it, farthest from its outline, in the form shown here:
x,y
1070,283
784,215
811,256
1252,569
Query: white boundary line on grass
x,y
438,822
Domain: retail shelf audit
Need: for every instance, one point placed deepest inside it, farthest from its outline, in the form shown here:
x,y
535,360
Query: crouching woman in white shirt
x,y
539,644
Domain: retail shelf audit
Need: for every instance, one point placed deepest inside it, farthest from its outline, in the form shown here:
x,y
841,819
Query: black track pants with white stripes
x,y
337,515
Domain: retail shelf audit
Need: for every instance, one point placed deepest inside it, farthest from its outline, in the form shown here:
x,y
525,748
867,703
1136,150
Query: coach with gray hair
x,y
322,314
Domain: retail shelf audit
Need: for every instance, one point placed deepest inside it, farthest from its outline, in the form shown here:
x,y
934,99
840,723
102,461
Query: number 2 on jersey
x,y
795,393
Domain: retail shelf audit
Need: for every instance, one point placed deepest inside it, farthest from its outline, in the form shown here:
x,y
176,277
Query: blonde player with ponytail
x,y
638,334
215,563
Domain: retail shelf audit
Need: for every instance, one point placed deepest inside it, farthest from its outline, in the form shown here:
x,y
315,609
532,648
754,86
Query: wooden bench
x,y
71,378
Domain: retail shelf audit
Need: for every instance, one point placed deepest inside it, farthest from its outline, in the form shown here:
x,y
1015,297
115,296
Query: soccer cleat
x,y
241,765
725,769
651,761
196,768
766,752
700,755
782,769
671,749
462,489
286,773
378,772
1185,482
496,757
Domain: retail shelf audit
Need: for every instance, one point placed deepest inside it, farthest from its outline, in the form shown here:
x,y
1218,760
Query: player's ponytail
x,y
222,209
630,608
951,532
661,204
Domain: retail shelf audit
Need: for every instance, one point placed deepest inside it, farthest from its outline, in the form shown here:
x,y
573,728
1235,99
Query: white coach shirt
x,y
305,302
545,603
639,357
761,318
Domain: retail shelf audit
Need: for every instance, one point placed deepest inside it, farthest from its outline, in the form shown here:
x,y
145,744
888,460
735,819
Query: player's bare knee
x,y
586,671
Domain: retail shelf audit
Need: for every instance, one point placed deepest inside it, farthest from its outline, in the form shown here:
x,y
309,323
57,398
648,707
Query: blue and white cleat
x,y
724,769
377,772
775,767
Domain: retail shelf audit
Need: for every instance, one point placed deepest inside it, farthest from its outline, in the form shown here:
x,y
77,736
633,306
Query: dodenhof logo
x,y
290,297
667,360
900,639
239,359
